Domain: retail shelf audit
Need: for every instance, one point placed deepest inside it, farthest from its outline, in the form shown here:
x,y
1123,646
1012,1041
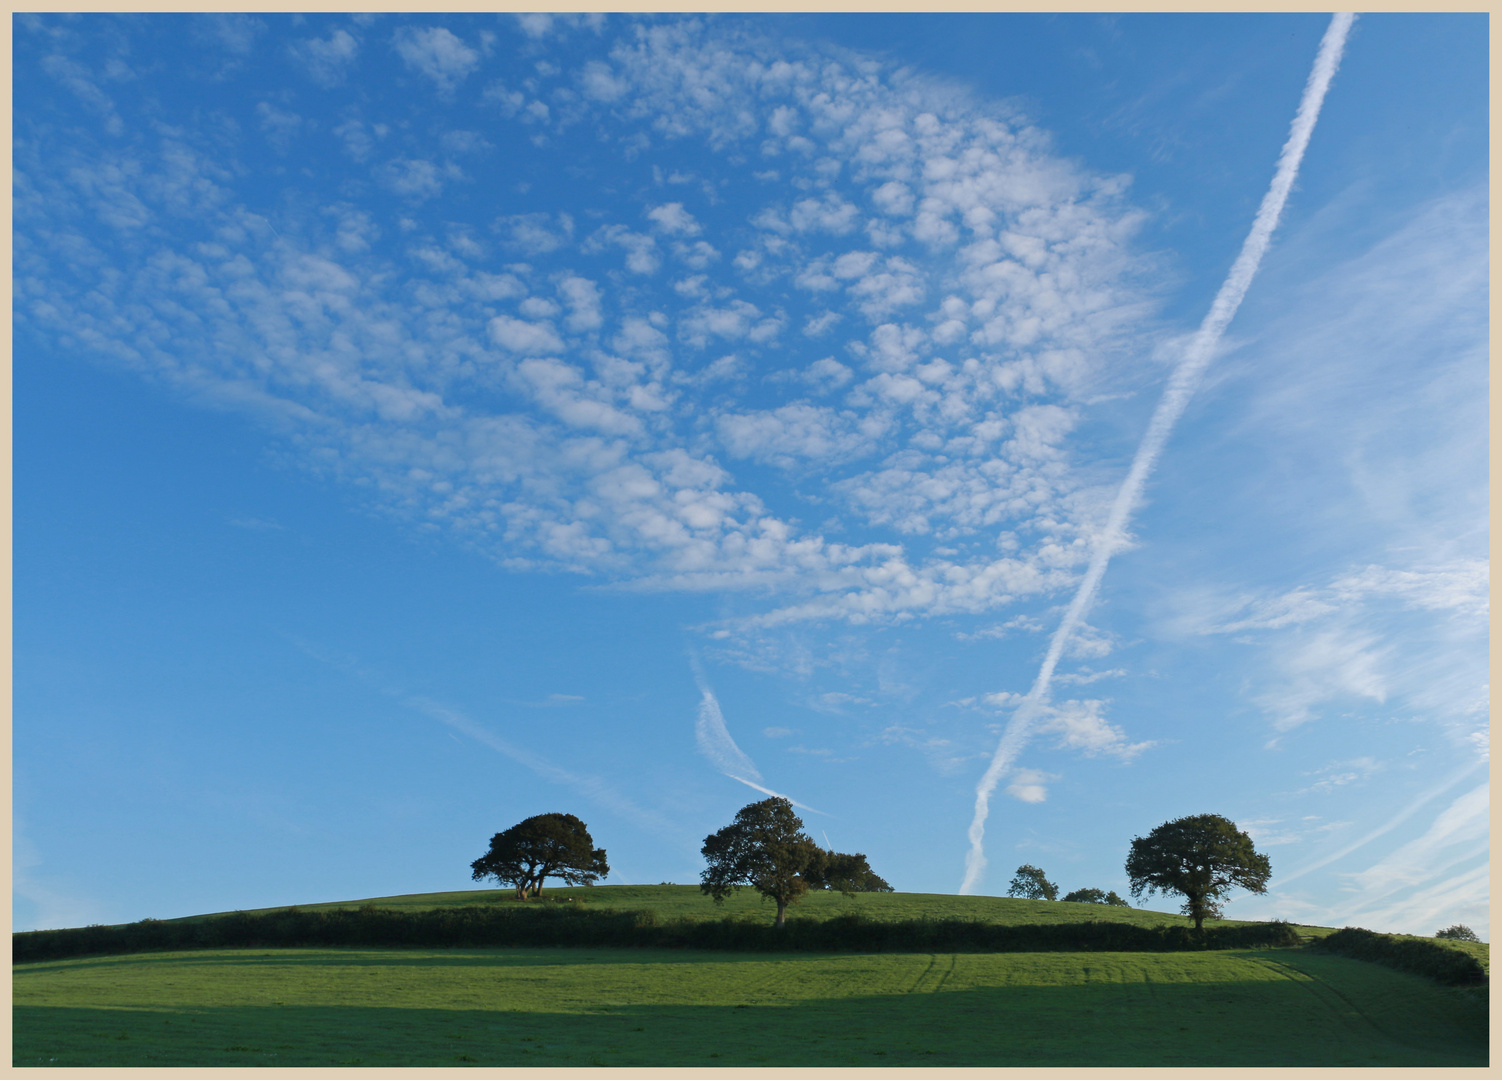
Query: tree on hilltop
x,y
1458,932
1202,858
848,873
1030,884
1095,896
544,846
765,848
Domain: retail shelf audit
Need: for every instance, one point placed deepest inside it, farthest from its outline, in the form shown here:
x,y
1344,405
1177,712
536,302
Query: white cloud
x,y
894,197
536,234
1351,640
1422,880
583,299
672,219
530,338
81,83
1030,785
697,255
539,25
1025,623
1342,773
817,325
932,446
1084,678
418,179
1080,726
359,140
327,60
280,127
234,31
795,434
1324,667
437,53
730,322
642,253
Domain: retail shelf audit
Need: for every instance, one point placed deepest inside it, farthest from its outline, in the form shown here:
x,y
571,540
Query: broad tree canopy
x,y
847,873
1030,884
766,848
1096,896
1201,857
544,846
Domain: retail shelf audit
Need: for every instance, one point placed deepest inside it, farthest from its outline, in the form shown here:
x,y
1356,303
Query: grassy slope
x,y
687,902
652,1007
680,1008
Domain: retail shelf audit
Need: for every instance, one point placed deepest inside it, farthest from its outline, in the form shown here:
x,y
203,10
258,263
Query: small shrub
x,y
1458,932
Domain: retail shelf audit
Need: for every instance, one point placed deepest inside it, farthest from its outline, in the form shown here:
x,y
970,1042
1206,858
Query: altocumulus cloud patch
x,y
826,331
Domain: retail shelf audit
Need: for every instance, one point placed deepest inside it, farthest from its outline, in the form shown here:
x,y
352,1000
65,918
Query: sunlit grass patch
x,y
671,1008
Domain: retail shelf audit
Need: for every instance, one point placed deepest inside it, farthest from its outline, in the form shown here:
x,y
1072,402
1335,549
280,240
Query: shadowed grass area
x,y
671,1008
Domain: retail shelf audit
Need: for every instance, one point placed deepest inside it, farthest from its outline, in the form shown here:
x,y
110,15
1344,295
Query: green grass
x,y
678,1008
656,1007
687,902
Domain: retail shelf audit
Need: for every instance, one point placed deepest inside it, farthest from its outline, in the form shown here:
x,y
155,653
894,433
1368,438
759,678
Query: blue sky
x,y
424,423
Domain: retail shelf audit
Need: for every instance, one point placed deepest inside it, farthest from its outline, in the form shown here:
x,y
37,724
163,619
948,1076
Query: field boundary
x,y
570,925
1422,956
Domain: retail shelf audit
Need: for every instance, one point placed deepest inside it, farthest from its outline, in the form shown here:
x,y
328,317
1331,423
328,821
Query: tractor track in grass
x,y
933,961
1352,1015
1346,1008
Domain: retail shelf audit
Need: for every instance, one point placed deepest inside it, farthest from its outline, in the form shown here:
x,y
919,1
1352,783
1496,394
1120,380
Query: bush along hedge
x,y
1423,956
569,925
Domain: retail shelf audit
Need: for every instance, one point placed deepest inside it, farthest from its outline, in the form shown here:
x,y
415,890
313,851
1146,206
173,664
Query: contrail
x,y
716,744
591,787
1181,386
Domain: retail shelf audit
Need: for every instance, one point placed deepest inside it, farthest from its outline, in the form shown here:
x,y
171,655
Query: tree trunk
x,y
782,909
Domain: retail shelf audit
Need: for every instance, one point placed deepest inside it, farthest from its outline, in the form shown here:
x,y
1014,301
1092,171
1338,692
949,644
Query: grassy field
x,y
657,1007
676,1008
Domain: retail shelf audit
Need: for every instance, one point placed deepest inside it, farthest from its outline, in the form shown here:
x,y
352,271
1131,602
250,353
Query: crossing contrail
x,y
1181,386
716,744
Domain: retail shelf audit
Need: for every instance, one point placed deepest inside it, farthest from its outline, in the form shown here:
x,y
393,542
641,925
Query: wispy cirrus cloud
x,y
1358,638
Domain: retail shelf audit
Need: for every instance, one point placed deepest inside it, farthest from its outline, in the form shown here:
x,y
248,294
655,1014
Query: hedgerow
x,y
569,925
1423,956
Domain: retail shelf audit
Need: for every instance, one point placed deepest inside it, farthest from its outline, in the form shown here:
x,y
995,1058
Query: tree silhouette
x,y
766,848
847,873
1201,857
1458,932
544,846
1030,884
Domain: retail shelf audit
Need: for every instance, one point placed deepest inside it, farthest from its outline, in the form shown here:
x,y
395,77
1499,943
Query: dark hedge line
x,y
567,925
1419,955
